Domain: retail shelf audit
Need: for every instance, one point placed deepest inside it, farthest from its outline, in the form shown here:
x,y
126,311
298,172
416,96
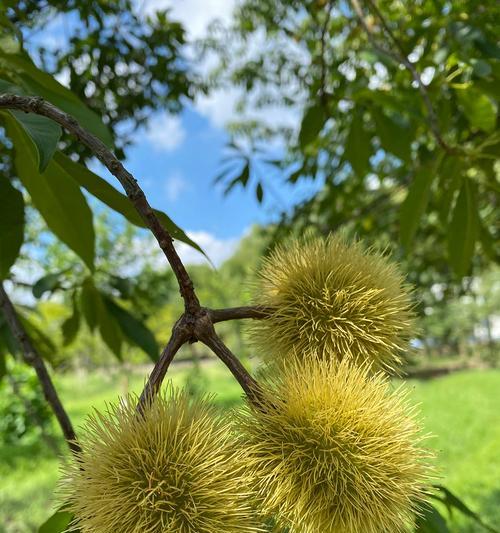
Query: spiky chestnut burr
x,y
174,468
333,450
329,296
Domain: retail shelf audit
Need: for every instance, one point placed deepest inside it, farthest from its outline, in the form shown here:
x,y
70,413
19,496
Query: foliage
x,y
38,176
399,112
24,413
121,75
174,467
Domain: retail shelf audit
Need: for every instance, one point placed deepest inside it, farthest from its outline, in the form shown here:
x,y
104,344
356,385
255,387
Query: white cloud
x,y
218,250
195,15
145,250
175,185
166,132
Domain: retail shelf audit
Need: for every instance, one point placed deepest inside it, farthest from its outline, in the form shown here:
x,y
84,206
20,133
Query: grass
x,y
461,410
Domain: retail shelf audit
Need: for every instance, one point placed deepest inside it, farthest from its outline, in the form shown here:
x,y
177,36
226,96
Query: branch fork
x,y
195,324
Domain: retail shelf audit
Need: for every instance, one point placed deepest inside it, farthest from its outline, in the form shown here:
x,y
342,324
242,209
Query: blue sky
x,y
177,157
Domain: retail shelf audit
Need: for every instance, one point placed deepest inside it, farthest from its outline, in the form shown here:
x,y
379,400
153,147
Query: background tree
x,y
399,110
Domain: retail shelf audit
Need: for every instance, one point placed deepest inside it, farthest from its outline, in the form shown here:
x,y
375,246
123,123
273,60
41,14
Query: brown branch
x,y
177,339
324,30
398,54
33,358
35,104
246,381
195,324
236,313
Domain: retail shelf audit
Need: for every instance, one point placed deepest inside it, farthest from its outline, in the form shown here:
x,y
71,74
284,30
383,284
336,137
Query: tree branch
x,y
236,313
35,104
398,54
195,324
246,381
177,339
33,358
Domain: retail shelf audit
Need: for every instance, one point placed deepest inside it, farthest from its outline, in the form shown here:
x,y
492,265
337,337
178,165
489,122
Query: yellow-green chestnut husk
x,y
331,296
333,449
174,468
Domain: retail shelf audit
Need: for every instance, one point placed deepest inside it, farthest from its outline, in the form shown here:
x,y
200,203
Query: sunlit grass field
x,y
462,411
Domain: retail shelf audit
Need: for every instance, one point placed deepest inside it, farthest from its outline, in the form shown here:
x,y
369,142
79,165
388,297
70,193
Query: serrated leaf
x,y
133,329
394,137
430,521
44,133
57,523
480,110
46,284
117,201
312,123
462,229
415,203
11,225
71,325
56,195
358,146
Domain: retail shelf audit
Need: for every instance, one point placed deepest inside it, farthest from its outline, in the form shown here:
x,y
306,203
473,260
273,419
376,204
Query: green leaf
x,y
89,298
453,502
450,174
109,328
259,192
57,523
430,521
46,284
96,314
71,325
480,110
44,133
39,83
312,123
11,225
462,229
394,137
358,146
3,365
117,201
415,203
488,243
42,343
56,195
133,329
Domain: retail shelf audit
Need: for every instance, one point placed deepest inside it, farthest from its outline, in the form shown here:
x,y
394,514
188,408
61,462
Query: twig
x,y
398,54
324,29
33,358
35,104
236,313
177,339
246,381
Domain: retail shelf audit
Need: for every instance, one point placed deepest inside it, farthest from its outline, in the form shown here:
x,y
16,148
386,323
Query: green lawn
x,y
461,410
